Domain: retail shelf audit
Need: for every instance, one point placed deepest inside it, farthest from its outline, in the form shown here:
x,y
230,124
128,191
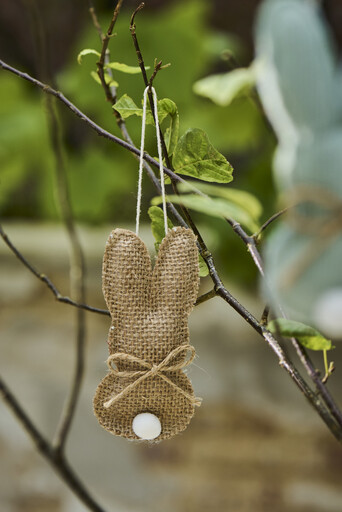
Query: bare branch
x,y
77,264
264,316
250,242
77,276
132,28
103,133
123,128
110,92
44,278
158,66
269,221
148,83
95,19
61,466
206,296
174,177
320,384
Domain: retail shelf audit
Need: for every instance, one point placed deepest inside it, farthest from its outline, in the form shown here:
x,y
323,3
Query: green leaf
x,y
124,68
239,197
216,207
224,88
87,51
126,107
315,342
157,225
306,335
195,156
166,107
108,79
203,269
171,134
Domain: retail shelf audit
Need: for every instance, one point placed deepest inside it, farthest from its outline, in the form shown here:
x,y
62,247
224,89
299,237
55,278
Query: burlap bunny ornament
x,y
149,337
146,394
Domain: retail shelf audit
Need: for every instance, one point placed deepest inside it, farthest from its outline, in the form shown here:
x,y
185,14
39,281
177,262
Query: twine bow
x,y
149,369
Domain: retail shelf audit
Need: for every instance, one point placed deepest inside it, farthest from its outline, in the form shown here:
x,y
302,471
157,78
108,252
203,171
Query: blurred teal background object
x,y
299,84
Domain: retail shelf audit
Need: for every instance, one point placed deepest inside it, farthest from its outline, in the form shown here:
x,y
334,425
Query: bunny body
x,y
149,310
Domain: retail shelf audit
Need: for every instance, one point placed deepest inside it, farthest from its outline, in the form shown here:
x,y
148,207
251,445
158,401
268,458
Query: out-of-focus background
x,y
255,444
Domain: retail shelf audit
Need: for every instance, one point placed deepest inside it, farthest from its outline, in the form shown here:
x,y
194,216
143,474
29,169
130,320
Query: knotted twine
x,y
149,337
150,370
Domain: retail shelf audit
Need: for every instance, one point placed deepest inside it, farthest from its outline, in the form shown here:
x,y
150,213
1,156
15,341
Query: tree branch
x,y
77,264
148,83
269,221
43,446
77,277
44,278
206,296
110,92
100,131
320,385
174,177
251,243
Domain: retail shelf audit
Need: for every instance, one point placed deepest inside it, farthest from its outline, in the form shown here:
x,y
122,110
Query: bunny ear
x,y
126,273
175,278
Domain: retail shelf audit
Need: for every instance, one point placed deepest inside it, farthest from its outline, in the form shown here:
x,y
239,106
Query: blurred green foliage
x,y
102,177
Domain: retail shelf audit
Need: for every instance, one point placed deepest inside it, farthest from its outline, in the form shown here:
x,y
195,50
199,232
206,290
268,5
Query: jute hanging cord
x,y
146,394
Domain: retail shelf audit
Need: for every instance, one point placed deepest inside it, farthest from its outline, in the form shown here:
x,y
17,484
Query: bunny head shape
x,y
149,337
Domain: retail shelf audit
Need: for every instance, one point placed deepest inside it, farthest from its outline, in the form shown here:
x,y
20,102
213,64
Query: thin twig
x,y
77,264
103,133
174,177
95,19
132,28
269,221
250,242
264,316
206,296
148,83
122,125
60,464
110,92
320,385
44,278
157,68
100,131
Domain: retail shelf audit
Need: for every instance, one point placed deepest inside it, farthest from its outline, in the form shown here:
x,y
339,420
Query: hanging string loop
x,y
141,158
